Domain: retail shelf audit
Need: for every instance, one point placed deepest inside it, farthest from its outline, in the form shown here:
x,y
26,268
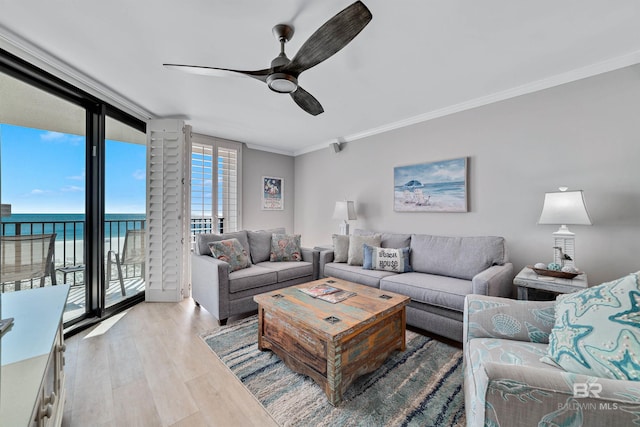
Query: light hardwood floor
x,y
150,368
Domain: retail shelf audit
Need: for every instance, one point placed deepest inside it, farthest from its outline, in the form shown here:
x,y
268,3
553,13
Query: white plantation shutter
x,y
168,145
228,190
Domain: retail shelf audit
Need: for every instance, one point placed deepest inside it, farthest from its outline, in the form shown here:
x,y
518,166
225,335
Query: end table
x,y
529,279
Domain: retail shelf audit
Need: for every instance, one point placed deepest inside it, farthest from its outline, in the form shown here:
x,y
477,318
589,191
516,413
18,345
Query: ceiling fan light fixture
x,y
282,83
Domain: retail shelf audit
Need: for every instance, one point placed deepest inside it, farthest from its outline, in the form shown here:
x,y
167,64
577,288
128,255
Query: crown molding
x,y
270,149
557,80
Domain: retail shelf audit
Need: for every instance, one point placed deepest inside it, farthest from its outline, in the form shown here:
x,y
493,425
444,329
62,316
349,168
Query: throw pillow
x,y
285,247
597,330
231,252
340,247
260,243
356,243
386,259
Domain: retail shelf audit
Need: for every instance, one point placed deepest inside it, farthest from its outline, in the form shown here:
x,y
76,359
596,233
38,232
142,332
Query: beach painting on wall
x,y
431,187
272,193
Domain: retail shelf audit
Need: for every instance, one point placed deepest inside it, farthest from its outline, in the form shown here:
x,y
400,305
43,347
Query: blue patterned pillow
x,y
232,252
597,330
386,259
285,247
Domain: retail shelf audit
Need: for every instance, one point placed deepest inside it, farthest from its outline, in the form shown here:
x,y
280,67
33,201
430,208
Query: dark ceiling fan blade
x,y
219,72
307,102
335,34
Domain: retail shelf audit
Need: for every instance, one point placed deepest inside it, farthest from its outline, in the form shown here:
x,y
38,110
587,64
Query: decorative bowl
x,y
553,273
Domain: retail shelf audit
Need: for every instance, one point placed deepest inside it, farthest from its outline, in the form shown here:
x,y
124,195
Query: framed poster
x,y
431,187
272,193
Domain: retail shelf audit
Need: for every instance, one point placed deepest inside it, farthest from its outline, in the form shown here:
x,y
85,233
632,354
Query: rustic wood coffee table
x,y
332,343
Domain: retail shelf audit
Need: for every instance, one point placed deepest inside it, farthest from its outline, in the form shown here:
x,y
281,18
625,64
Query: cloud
x,y
52,136
37,191
77,177
71,189
139,174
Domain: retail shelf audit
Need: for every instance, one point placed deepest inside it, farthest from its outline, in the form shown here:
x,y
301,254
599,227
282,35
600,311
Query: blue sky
x,y
435,172
44,172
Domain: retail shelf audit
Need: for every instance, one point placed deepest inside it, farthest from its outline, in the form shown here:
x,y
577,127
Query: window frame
x,y
216,144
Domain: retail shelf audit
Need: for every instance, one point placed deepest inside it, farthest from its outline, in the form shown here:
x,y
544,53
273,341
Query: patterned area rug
x,y
421,386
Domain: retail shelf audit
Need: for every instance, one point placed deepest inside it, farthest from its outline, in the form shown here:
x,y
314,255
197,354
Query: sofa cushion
x,y
441,291
285,247
260,243
251,278
340,247
289,270
461,257
387,240
355,273
231,252
597,330
356,254
203,240
386,259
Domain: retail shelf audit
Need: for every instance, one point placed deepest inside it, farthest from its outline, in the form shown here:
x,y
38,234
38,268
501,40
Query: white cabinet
x,y
32,357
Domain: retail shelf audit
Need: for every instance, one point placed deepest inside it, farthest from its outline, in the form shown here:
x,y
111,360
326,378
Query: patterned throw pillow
x,y
285,247
386,259
597,330
231,252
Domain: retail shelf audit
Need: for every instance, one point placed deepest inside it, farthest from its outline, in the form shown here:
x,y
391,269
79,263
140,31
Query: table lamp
x,y
564,207
346,211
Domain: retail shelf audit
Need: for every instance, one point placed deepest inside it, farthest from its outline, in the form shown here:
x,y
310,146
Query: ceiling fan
x,y
282,76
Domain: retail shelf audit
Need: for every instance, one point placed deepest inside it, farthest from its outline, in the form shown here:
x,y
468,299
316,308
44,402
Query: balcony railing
x,y
205,225
69,244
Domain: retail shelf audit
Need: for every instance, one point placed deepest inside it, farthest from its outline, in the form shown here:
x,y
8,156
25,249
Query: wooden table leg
x,y
260,323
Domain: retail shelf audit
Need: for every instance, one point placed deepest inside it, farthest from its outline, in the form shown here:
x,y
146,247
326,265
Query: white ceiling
x,y
416,60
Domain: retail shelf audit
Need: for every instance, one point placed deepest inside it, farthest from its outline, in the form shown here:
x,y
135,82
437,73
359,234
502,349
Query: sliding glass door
x,y
42,172
125,207
73,170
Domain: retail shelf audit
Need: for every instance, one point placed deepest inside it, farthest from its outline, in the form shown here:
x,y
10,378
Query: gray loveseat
x,y
445,270
223,293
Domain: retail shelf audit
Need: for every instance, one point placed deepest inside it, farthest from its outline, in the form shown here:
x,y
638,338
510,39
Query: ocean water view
x,y
68,226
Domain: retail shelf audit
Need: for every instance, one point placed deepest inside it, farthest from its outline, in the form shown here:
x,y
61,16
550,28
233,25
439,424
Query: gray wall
x,y
255,165
583,135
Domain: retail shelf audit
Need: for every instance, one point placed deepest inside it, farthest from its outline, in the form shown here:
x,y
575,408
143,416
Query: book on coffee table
x,y
327,293
336,297
319,290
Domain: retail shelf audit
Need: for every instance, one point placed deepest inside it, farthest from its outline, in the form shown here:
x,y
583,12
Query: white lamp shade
x,y
564,207
345,211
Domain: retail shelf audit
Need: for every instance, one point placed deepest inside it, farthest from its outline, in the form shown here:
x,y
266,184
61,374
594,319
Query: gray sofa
x,y
445,270
223,293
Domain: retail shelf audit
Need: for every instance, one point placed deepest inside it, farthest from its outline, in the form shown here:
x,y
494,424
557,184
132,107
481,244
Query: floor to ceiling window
x,y
73,171
43,151
125,205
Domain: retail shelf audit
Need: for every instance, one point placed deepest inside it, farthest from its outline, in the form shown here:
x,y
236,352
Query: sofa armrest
x,y
495,281
494,317
325,257
525,395
210,284
312,256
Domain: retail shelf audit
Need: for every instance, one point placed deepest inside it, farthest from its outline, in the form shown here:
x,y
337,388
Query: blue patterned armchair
x,y
506,384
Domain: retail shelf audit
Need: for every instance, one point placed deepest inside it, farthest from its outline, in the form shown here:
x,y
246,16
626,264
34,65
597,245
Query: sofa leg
x,y
222,322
